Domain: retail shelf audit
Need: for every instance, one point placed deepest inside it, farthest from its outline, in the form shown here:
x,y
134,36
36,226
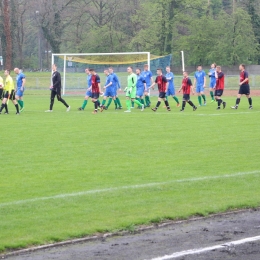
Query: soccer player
x,y
212,81
56,89
162,84
219,87
109,89
148,76
186,87
88,92
244,87
95,89
20,84
117,86
200,83
131,90
140,86
1,88
171,89
9,93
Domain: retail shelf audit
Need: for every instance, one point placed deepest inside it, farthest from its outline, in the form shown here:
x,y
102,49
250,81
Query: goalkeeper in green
x,y
131,90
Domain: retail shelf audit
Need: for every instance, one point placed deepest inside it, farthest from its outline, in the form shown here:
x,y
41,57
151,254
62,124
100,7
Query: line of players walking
x,y
9,92
140,83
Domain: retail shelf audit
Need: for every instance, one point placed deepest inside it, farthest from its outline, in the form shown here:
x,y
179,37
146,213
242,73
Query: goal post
x,y
72,66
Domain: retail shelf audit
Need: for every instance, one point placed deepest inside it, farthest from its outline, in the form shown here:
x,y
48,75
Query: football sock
x,y
219,102
212,95
166,97
142,101
158,104
191,103
109,102
118,102
250,101
167,103
199,98
115,102
176,99
183,104
98,102
22,103
128,104
2,107
137,102
84,104
103,102
204,97
17,108
237,101
6,108
19,102
148,99
133,103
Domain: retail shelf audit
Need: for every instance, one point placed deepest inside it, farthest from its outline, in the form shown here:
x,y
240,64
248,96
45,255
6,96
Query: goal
x,y
72,67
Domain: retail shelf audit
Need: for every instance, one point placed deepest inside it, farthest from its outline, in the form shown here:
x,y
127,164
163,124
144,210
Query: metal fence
x,y
76,84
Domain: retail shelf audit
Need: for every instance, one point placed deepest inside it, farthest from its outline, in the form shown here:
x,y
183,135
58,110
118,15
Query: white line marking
x,y
207,249
138,186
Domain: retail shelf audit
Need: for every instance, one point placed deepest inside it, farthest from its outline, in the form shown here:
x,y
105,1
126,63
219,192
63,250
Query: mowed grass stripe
x,y
44,155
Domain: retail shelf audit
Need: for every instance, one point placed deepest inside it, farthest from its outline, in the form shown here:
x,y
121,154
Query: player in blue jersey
x,y
212,81
109,89
200,83
20,87
140,86
117,86
171,89
148,76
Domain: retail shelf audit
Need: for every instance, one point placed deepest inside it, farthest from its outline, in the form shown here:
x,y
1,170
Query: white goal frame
x,y
65,55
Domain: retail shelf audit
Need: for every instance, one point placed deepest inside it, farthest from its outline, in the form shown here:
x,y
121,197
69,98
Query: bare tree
x,y
7,33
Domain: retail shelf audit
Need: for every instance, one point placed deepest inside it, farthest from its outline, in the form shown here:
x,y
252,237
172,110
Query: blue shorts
x,y
19,93
199,89
170,91
140,92
88,93
110,92
212,84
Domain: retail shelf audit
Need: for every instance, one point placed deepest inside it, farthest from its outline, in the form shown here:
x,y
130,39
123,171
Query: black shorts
x,y
95,95
186,97
219,92
244,89
162,94
12,95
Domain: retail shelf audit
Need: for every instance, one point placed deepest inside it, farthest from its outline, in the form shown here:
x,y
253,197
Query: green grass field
x,y
67,175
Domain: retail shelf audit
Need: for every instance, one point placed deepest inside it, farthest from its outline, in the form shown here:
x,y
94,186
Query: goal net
x,y
72,67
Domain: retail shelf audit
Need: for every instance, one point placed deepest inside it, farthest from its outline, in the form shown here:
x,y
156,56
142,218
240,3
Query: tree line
x,y
223,31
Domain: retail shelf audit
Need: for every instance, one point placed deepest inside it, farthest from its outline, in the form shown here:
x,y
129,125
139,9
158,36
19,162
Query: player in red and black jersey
x,y
162,84
95,89
186,87
244,87
219,87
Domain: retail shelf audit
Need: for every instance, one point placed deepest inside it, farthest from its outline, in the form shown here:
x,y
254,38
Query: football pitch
x,y
69,175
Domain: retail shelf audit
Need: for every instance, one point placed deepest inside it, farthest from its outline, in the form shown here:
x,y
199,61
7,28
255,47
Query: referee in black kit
x,y
56,89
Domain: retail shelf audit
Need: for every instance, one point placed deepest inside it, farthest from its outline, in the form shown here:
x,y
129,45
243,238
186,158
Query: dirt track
x,y
167,240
